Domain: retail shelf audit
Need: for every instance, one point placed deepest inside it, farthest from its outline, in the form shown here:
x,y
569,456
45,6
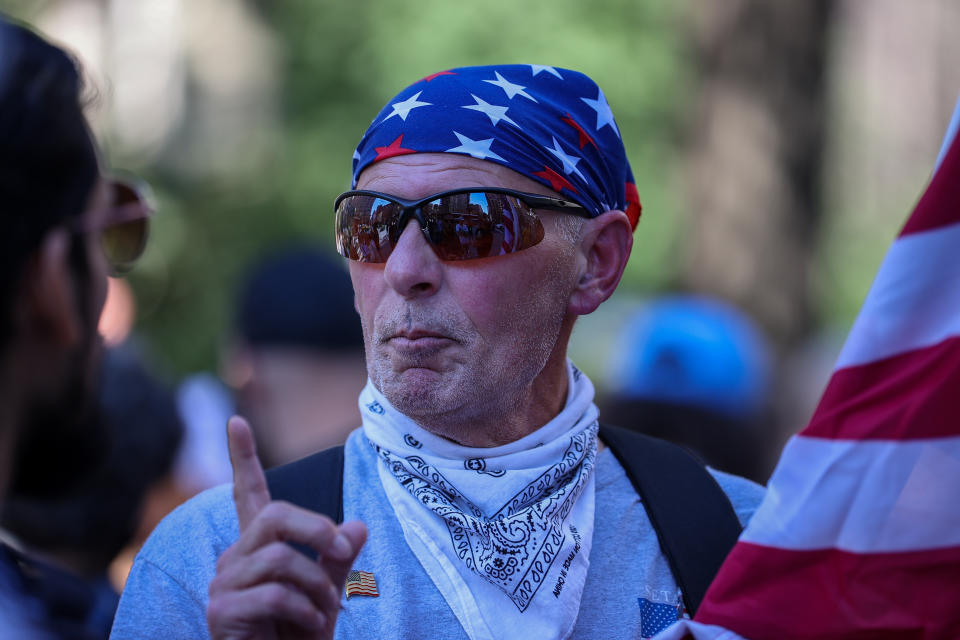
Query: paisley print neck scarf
x,y
503,532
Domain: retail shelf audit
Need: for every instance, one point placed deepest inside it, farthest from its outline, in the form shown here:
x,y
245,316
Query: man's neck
x,y
533,407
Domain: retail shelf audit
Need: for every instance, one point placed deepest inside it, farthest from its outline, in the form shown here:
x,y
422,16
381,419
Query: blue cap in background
x,y
695,351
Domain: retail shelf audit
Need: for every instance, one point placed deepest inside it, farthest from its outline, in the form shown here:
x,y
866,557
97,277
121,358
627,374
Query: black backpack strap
x,y
314,482
694,520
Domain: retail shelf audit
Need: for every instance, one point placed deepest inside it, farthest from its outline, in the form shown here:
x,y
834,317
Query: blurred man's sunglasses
x,y
463,224
124,227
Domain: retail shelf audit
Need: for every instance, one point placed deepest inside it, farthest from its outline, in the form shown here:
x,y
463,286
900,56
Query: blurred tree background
x,y
776,146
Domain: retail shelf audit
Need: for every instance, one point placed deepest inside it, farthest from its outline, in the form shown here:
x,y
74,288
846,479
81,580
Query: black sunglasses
x,y
125,226
463,224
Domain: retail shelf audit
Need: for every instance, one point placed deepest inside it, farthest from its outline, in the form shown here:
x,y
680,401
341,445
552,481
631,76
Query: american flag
x,y
655,616
859,535
361,583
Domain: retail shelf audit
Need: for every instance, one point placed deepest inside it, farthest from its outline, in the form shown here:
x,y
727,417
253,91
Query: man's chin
x,y
417,391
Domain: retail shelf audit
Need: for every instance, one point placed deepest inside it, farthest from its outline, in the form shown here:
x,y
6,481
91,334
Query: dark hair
x,y
100,513
48,161
299,297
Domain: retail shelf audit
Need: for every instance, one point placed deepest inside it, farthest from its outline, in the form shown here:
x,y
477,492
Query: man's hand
x,y
264,588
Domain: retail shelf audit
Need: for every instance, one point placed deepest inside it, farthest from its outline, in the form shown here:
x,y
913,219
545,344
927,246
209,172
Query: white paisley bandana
x,y
503,532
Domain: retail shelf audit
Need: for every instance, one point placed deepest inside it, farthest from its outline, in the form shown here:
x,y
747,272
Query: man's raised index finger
x,y
250,492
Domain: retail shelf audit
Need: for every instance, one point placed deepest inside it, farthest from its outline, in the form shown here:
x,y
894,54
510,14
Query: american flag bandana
x,y
551,125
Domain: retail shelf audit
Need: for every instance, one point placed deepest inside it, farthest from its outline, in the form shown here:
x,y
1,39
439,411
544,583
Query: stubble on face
x,y
466,387
477,353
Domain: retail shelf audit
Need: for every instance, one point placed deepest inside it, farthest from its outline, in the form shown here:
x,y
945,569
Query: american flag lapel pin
x,y
361,583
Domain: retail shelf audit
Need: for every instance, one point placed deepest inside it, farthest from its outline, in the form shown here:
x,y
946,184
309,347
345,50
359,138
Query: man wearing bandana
x,y
477,494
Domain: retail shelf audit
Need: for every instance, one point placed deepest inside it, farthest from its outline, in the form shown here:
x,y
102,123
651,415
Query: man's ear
x,y
605,243
47,301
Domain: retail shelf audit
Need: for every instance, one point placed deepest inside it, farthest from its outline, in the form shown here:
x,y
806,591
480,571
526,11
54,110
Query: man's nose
x,y
413,269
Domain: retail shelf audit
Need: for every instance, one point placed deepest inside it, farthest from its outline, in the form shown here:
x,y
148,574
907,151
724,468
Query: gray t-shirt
x,y
629,592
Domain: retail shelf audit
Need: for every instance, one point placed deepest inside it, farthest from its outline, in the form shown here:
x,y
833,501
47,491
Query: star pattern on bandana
x,y
537,68
395,148
479,149
557,182
510,88
604,114
404,108
494,112
438,74
582,136
569,162
551,124
634,208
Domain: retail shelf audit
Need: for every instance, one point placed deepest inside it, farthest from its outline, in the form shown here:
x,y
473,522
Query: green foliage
x,y
25,10
340,62
345,60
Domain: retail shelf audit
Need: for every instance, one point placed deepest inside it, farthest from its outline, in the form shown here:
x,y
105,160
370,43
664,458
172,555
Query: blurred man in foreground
x,y
65,226
74,537
495,205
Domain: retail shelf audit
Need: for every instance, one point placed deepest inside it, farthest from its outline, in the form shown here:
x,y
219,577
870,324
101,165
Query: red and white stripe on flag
x,y
361,583
859,534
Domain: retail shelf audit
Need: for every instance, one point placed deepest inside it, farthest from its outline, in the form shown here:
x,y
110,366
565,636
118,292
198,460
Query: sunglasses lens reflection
x,y
367,228
124,242
462,226
124,239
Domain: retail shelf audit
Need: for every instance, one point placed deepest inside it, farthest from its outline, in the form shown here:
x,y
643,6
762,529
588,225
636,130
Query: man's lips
x,y
418,340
